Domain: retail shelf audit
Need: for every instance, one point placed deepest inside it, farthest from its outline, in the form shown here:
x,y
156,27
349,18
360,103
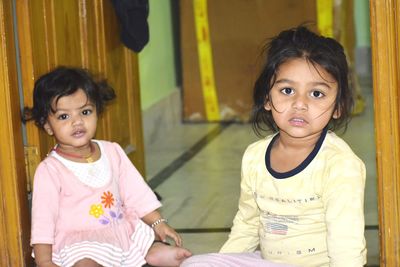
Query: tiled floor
x,y
196,170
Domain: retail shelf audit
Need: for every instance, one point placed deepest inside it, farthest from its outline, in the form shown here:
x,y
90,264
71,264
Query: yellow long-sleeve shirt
x,y
310,216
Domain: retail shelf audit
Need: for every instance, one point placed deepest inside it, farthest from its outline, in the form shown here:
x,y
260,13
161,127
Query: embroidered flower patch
x,y
107,199
96,210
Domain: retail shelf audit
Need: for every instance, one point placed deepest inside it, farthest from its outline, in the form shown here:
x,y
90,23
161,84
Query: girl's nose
x,y
77,120
300,102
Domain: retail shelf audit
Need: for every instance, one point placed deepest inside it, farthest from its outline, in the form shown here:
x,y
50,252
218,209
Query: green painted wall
x,y
361,19
156,60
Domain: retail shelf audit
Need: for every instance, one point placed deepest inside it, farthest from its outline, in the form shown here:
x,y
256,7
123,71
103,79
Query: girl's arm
x,y
244,233
344,204
43,255
44,211
153,216
140,200
136,195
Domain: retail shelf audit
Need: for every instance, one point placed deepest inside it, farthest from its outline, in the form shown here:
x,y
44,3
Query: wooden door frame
x,y
385,42
14,212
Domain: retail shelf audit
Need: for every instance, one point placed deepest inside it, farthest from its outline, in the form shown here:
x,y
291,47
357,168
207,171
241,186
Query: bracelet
x,y
158,222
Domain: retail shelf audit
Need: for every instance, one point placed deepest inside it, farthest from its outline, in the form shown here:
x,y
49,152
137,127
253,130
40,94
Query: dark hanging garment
x,y
132,16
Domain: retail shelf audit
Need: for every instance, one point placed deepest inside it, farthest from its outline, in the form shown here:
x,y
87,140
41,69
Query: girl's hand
x,y
161,228
163,231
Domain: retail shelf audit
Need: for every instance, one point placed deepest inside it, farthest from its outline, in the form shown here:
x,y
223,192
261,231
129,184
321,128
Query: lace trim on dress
x,y
103,252
94,174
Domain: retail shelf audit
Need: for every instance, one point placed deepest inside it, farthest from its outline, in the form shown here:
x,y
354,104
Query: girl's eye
x,y
317,94
62,117
87,112
287,91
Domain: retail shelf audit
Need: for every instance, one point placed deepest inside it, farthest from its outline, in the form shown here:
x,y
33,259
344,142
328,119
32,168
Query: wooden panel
x,y
122,121
35,50
14,214
134,111
26,46
385,40
122,69
66,32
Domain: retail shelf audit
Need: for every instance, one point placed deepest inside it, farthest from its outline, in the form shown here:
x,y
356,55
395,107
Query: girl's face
x,y
74,121
302,100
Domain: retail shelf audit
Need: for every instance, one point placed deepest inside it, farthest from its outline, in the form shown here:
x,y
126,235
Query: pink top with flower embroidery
x,y
65,211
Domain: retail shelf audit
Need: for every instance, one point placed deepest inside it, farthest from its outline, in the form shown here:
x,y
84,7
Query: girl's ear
x,y
267,105
48,129
336,113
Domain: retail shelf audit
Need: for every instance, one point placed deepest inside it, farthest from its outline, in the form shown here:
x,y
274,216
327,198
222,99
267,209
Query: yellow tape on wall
x,y
325,17
204,52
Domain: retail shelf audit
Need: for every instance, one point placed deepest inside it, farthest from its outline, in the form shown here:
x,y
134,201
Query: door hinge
x,y
32,160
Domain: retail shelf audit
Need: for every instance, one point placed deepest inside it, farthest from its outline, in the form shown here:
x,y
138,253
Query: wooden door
x,y
385,42
81,33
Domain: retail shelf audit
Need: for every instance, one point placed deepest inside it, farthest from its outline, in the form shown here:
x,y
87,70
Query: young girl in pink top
x,y
90,205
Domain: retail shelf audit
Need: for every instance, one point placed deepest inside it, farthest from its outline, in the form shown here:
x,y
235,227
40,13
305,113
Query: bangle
x,y
158,222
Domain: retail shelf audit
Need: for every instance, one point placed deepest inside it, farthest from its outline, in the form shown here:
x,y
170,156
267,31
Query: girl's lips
x,y
79,133
298,122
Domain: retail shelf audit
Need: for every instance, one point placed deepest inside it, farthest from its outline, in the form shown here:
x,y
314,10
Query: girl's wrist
x,y
157,222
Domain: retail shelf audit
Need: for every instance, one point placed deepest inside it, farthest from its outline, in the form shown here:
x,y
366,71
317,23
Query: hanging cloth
x,y
132,16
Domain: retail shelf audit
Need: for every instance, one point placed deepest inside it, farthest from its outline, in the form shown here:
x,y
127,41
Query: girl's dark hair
x,y
294,43
64,81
